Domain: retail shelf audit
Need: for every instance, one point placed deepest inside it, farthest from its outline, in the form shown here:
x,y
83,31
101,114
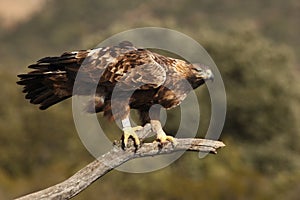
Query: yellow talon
x,y
165,138
162,138
130,132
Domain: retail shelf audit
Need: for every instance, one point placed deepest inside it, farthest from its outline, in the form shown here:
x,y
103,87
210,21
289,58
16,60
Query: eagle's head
x,y
201,74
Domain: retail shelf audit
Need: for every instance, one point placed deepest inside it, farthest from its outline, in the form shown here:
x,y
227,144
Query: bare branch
x,y
116,157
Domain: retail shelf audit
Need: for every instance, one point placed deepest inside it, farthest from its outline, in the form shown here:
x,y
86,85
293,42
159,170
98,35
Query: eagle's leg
x,y
129,132
162,137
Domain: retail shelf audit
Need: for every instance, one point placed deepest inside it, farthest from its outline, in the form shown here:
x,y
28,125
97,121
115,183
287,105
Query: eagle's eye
x,y
197,67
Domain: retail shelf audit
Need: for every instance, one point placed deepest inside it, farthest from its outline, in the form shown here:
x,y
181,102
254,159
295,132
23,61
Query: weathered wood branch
x,y
116,157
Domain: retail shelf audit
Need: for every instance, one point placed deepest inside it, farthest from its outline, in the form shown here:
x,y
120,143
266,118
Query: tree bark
x,y
116,157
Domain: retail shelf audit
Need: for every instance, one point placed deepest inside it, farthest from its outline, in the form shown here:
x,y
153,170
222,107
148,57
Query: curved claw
x,y
129,132
165,138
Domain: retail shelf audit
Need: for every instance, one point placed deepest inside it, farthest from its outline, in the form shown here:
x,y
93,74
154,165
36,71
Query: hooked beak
x,y
209,76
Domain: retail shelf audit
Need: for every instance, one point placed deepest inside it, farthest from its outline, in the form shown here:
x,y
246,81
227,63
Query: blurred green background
x,y
255,44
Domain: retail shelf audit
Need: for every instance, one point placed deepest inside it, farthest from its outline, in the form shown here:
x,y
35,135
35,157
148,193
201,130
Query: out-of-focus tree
x,y
262,94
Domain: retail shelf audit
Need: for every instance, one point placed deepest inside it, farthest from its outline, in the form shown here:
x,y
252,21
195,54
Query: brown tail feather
x,y
49,82
45,90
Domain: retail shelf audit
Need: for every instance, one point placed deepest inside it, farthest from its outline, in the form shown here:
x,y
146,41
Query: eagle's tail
x,y
49,82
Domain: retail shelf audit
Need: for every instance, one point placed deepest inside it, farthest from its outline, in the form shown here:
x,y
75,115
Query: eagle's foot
x,y
163,139
129,132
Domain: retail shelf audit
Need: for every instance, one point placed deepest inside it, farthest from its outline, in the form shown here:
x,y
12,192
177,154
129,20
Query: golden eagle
x,y
149,78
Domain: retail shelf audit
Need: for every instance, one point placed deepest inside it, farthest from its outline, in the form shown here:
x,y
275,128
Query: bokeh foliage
x,y
255,56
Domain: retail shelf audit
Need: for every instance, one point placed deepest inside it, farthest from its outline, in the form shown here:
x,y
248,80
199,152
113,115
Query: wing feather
x,y
52,78
128,67
142,72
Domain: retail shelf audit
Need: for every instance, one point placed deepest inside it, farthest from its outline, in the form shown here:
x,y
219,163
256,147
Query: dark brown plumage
x,y
150,77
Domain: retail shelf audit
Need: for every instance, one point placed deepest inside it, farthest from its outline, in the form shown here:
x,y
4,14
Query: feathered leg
x,y
121,112
162,137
